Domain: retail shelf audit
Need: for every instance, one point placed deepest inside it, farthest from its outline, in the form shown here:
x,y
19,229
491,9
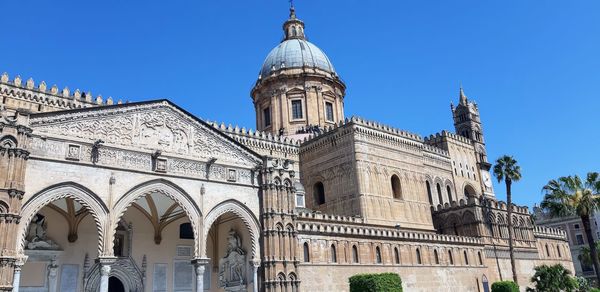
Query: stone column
x,y
255,264
105,267
17,275
199,266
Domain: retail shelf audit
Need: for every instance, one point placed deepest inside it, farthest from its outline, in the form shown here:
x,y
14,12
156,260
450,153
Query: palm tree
x,y
506,169
585,255
570,195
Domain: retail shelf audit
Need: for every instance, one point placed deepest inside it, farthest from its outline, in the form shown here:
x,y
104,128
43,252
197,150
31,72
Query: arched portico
x,y
63,193
238,209
72,190
171,191
232,247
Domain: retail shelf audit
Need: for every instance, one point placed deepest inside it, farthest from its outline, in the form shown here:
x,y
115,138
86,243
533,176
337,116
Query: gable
x,y
149,126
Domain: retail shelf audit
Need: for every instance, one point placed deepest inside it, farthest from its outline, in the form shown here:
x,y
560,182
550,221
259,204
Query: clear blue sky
x,y
533,66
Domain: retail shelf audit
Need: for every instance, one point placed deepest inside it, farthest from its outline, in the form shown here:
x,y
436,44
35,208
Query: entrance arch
x,y
249,220
72,190
115,285
163,187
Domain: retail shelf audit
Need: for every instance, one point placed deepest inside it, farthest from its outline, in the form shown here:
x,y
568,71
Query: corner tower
x,y
298,90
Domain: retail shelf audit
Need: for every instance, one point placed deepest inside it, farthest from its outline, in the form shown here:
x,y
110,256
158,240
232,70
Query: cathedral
x,y
99,195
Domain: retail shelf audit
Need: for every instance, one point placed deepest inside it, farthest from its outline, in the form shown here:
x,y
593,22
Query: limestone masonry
x,y
98,195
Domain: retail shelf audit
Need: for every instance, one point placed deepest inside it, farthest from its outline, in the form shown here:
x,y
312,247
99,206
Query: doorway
x,y
115,285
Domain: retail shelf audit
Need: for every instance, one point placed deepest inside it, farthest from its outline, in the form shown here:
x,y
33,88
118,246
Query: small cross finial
x,y
292,9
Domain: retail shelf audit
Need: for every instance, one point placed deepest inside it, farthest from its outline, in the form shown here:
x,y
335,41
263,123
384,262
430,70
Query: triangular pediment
x,y
154,125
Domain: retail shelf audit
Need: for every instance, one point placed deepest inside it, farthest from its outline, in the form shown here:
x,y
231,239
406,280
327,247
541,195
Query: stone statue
x,y
232,267
36,237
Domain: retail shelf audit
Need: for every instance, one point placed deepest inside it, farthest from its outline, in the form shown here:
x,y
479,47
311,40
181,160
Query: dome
x,y
296,53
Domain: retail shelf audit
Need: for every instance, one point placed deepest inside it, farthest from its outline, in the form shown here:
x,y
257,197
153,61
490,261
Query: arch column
x,y
105,267
17,275
255,264
199,267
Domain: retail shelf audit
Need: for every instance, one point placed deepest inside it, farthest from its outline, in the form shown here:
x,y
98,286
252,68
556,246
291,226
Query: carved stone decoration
x,y
125,269
232,266
73,152
155,126
36,236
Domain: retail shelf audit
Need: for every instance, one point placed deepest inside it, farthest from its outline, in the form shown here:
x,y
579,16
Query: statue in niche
x,y
36,236
232,267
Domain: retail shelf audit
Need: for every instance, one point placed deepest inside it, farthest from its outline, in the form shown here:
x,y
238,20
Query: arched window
x,y
396,188
429,192
480,258
319,193
439,191
450,258
466,258
396,256
377,255
354,254
469,191
449,194
186,231
418,256
333,254
437,258
558,251
306,253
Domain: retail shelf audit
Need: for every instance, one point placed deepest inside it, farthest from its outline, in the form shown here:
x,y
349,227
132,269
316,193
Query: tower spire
x,y
462,96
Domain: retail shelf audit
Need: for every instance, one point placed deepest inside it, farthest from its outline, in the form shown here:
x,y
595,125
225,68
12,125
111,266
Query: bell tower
x,y
467,123
298,90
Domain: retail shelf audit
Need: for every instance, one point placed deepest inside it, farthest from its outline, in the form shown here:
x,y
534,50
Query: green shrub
x,y
384,282
505,286
552,279
594,290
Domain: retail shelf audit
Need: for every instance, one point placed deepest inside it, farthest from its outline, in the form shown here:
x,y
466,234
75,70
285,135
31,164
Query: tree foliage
x,y
570,195
505,286
384,282
553,279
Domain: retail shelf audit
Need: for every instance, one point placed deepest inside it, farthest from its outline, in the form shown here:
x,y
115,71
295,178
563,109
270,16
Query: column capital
x,y
255,263
200,261
106,261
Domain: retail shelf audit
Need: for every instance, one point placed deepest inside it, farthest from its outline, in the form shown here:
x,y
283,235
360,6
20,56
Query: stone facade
x,y
146,197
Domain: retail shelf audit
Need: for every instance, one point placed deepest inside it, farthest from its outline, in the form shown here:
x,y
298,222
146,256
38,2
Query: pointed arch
x,y
73,190
237,208
164,187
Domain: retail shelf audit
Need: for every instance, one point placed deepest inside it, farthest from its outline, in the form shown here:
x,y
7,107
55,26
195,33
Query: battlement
x,y
352,226
62,99
548,232
472,201
267,136
354,120
380,131
439,137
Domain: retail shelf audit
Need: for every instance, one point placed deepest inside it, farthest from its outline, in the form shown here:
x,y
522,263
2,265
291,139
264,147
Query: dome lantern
x,y
293,28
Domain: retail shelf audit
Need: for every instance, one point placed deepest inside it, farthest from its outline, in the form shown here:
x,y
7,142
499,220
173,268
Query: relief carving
x,y
153,127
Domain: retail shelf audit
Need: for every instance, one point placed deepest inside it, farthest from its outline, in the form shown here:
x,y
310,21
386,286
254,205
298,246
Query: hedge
x,y
384,282
505,286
